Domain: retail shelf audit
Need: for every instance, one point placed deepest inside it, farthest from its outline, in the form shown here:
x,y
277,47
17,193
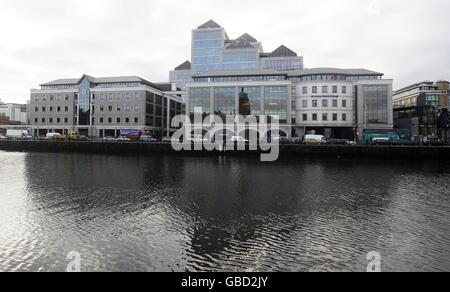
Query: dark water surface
x,y
221,214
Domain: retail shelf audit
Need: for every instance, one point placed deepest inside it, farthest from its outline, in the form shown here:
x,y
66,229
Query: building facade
x,y
333,102
99,107
17,113
437,94
213,50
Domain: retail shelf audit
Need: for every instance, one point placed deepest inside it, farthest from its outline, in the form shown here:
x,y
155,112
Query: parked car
x,y
296,140
196,139
434,142
147,138
84,138
314,139
349,142
123,139
109,139
283,140
3,137
334,141
381,141
55,137
405,142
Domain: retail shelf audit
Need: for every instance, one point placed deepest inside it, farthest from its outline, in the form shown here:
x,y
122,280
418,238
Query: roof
x,y
209,24
185,66
249,38
240,43
282,51
409,87
312,71
165,86
239,73
120,79
333,71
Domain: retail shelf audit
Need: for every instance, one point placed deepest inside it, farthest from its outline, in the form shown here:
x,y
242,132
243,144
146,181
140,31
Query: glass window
x,y
335,89
335,117
344,103
305,117
137,95
305,90
344,117
136,108
335,103
110,96
224,101
314,103
200,101
376,103
314,117
118,108
275,102
324,117
128,95
324,103
253,94
344,89
314,89
119,96
325,89
305,104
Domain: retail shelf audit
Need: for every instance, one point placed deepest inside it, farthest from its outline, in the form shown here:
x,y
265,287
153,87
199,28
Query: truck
x,y
18,134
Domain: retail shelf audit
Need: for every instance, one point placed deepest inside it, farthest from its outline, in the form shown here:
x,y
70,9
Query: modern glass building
x,y
213,50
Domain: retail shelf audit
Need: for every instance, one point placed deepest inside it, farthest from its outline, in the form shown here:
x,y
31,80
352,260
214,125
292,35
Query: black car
x,y
334,141
434,142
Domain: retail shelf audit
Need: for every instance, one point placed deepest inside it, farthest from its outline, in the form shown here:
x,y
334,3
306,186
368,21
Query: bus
x,y
394,135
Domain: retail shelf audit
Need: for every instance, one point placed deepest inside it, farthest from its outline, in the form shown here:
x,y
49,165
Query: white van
x,y
315,139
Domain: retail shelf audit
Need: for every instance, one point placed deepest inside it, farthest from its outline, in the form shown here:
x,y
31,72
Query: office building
x,y
213,50
436,94
99,107
17,113
338,103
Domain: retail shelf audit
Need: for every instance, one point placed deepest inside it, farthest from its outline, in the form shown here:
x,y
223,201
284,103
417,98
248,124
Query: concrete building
x,y
338,103
17,113
213,50
99,107
437,94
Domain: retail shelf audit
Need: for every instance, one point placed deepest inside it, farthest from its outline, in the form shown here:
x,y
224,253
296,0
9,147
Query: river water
x,y
173,213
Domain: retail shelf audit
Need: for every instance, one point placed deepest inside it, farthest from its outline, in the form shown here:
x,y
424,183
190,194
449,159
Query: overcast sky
x,y
408,40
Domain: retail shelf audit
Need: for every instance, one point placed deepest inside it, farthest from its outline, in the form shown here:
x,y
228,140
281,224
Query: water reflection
x,y
163,213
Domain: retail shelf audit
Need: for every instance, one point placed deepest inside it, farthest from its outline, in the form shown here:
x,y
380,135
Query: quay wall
x,y
286,151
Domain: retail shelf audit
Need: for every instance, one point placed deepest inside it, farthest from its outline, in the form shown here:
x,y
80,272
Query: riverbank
x,y
286,151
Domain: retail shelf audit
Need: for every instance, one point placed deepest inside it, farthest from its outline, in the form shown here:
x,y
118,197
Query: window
x,y
137,95
66,120
102,108
43,108
344,103
127,120
344,117
50,120
314,103
110,108
118,120
305,117
305,90
102,96
119,108
43,120
44,98
335,89
58,120
324,103
335,103
93,121
305,104
66,97
314,117
66,109
58,109
324,89
128,95
314,89
324,117
36,98
119,96
109,120
344,89
110,96
101,120
335,117
136,120
136,108
51,109
59,97
35,120
36,109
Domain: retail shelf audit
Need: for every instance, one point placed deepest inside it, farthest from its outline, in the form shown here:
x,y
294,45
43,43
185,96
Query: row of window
x,y
325,89
50,109
51,98
334,117
334,103
117,96
118,120
50,120
127,108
